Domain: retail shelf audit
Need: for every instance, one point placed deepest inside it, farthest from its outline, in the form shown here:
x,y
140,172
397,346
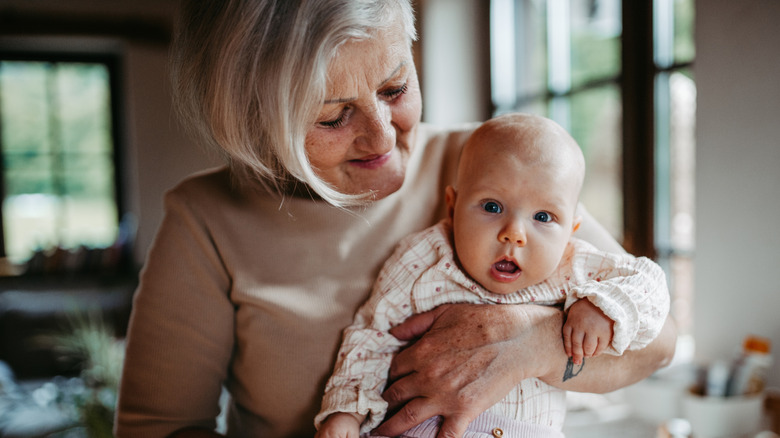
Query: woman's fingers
x,y
402,391
420,409
410,330
410,415
454,427
464,359
416,325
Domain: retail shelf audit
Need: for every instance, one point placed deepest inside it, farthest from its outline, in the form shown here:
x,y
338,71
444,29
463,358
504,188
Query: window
x,y
58,138
561,59
616,75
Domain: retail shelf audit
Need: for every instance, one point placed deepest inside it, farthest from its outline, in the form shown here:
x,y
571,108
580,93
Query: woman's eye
x,y
337,122
542,216
491,207
392,94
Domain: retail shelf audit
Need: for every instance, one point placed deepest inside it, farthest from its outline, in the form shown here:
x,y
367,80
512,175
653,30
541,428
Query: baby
x,y
508,240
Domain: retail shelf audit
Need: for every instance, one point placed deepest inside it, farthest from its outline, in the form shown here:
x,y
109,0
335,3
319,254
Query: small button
x,y
498,433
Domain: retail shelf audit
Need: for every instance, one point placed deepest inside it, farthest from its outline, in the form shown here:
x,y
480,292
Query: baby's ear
x,y
575,225
449,198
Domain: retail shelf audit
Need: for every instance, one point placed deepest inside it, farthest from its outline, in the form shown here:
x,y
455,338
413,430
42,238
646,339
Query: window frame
x,y
105,53
639,135
646,67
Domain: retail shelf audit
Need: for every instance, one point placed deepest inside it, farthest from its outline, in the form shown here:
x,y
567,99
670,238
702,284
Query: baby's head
x,y
514,204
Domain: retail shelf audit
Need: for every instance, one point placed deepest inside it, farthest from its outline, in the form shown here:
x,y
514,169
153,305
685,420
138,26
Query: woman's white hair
x,y
250,76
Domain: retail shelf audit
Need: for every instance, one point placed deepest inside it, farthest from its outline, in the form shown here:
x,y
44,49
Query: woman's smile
x,y
371,161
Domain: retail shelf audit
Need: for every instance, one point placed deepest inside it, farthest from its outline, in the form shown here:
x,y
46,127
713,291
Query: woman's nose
x,y
379,133
513,233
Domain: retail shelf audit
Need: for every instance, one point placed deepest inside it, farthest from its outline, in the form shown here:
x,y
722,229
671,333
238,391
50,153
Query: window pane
x,y
87,175
684,48
91,221
23,105
30,223
593,117
531,56
595,124
595,40
681,174
518,50
28,174
84,102
57,147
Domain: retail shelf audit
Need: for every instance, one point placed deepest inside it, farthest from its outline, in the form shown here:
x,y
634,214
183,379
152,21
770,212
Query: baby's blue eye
x,y
542,216
492,207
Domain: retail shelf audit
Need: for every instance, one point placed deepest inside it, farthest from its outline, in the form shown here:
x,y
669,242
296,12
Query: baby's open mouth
x,y
506,266
505,271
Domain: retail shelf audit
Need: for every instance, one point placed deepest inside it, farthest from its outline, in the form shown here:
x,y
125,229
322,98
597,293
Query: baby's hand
x,y
340,425
587,331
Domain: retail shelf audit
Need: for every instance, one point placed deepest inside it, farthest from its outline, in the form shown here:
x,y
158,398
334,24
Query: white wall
x,y
160,154
454,84
737,260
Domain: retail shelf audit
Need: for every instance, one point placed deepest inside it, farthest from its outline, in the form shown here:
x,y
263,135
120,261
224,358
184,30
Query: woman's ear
x,y
449,198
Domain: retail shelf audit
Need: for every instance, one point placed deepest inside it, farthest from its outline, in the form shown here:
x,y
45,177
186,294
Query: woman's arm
x,y
181,337
608,373
471,356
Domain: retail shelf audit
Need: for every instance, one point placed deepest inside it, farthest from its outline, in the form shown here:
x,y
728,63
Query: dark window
x,y
59,143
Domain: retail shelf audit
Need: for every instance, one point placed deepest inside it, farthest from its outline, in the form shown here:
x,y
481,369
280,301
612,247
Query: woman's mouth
x,y
505,271
372,161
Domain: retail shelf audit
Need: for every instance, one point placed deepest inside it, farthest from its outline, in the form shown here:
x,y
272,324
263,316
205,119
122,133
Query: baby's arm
x,y
360,373
340,425
587,331
363,362
630,291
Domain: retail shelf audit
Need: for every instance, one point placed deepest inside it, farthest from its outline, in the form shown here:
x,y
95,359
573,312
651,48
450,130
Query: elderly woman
x,y
258,266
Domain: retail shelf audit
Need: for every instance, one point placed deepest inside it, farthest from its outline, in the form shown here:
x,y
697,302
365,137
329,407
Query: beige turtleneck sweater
x,y
241,291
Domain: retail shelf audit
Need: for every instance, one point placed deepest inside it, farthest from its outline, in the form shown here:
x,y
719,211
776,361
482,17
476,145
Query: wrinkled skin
x,y
466,362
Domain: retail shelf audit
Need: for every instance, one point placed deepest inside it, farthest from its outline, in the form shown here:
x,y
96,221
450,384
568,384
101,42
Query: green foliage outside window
x,y
57,154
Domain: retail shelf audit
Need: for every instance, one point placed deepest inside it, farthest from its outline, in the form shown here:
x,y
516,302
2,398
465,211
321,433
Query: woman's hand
x,y
467,358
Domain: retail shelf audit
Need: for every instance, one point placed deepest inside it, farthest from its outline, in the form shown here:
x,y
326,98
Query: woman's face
x,y
365,130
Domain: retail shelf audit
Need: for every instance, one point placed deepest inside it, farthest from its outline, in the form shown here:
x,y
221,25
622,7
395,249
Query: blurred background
x,y
674,103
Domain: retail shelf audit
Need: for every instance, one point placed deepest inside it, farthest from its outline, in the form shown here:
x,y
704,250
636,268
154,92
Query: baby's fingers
x,y
567,332
602,345
589,345
577,352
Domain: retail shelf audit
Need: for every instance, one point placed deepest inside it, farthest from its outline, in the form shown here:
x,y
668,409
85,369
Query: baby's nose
x,y
513,233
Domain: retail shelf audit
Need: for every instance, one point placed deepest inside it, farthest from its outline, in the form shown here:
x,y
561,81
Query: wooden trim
x,y
638,128
144,30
